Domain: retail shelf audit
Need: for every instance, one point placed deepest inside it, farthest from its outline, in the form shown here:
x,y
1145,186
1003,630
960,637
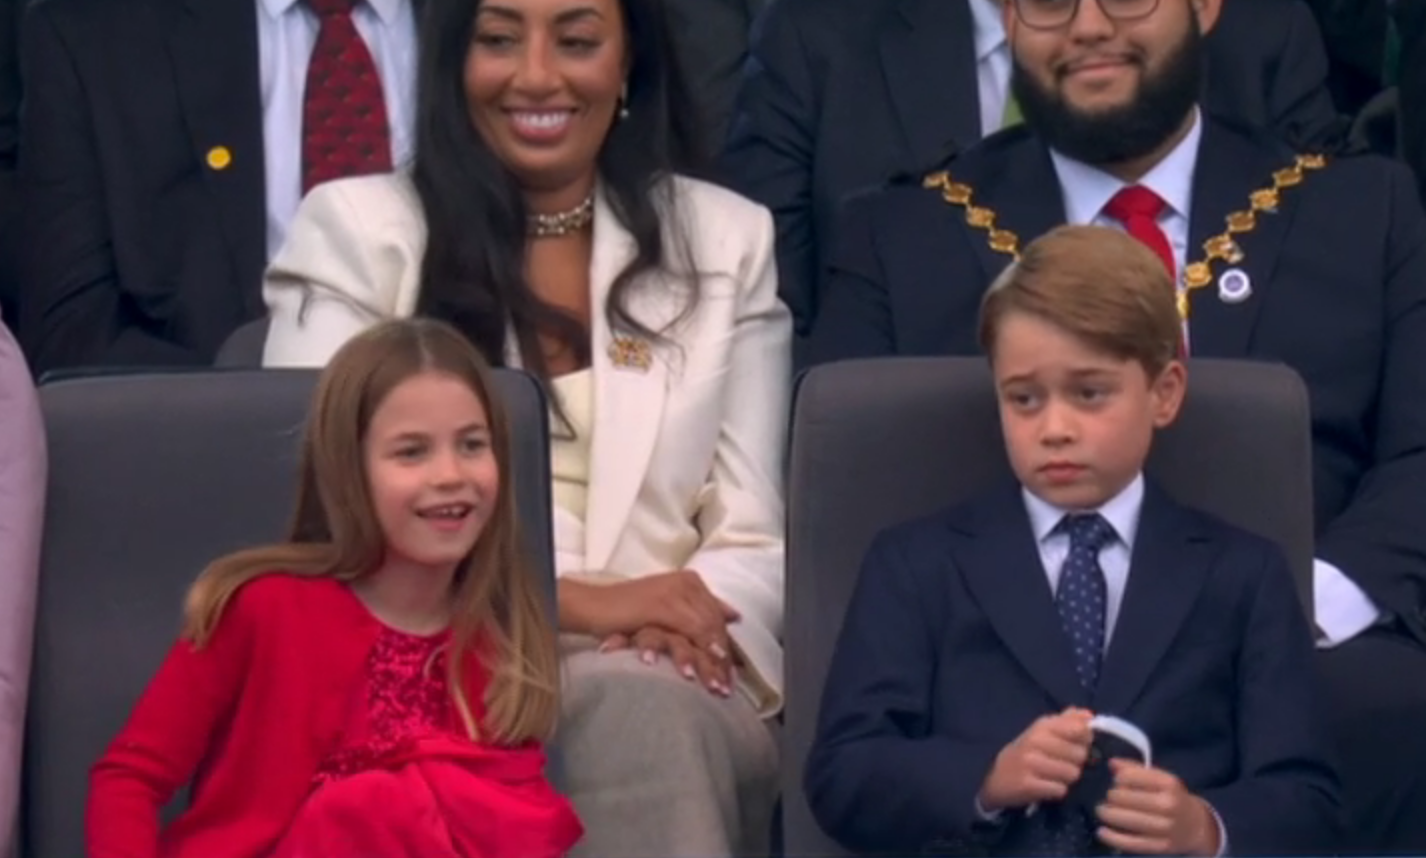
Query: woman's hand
x,y
676,601
694,663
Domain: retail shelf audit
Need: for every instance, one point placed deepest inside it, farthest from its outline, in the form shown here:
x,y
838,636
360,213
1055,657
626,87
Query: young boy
x,y
981,641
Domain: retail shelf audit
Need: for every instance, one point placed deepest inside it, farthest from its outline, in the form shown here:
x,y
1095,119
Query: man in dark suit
x,y
840,94
1277,257
165,145
957,712
713,40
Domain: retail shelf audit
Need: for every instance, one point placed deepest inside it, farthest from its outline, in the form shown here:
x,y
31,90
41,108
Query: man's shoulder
x,y
823,26
1248,554
954,523
952,174
86,18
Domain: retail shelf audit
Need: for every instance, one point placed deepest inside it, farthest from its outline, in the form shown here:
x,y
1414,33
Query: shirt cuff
x,y
1342,610
986,815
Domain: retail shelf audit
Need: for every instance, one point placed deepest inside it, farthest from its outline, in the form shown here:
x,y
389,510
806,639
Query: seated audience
x,y
840,94
165,148
960,697
380,682
981,641
1276,256
22,502
545,216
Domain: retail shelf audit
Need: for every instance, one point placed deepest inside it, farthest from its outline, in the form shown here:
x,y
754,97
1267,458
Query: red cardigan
x,y
248,719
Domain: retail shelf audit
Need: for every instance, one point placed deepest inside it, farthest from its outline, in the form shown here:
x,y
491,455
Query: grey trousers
x,y
656,765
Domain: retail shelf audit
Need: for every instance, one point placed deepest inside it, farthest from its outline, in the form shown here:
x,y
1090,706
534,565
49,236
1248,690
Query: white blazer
x,y
686,455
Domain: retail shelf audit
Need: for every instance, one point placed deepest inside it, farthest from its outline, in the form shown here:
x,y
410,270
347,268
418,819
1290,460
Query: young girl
x,y
378,685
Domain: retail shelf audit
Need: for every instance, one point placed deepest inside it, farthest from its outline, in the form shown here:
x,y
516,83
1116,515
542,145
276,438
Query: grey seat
x,y
151,477
243,347
875,443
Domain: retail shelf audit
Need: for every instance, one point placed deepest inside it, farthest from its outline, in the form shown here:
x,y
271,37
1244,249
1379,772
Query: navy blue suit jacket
x,y
952,646
1338,293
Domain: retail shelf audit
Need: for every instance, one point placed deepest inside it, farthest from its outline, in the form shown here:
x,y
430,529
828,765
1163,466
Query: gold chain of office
x,y
1196,275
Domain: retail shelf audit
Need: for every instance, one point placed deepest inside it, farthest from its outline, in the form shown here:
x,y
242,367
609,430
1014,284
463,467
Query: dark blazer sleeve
x,y
771,146
1286,798
1378,539
1299,103
855,319
877,778
72,311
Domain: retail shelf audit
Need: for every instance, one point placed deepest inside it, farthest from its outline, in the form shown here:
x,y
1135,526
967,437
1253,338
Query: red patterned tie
x,y
344,126
1138,208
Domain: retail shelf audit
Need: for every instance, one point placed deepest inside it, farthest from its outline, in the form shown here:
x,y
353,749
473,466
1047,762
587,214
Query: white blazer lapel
x,y
629,387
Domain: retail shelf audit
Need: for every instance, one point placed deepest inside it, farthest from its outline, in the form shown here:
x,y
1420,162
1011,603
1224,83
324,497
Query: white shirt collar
x,y
1121,511
386,10
989,27
1087,190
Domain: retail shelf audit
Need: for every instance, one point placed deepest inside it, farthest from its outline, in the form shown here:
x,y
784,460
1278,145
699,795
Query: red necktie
x,y
1138,208
344,126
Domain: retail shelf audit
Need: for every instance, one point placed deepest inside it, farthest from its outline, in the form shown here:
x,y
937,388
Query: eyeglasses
x,y
1054,14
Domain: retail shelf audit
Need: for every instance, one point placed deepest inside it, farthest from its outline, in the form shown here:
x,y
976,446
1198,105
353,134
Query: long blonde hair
x,y
335,533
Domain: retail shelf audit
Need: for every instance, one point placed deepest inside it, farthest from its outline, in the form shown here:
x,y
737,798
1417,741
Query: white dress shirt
x,y
1342,610
992,63
286,33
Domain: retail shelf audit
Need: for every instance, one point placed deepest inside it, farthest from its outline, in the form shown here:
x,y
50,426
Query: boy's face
x,y
1077,422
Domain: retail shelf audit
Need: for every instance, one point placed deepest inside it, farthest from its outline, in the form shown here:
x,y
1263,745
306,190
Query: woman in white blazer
x,y
546,217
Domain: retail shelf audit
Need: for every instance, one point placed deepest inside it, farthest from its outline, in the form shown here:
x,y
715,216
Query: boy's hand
x,y
1150,812
1040,764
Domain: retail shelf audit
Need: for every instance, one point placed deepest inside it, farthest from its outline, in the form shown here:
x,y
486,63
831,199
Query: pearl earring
x,y
624,101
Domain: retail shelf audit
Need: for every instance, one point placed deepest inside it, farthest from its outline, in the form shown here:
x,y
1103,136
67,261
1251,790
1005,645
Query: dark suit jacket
x,y
1338,293
135,250
840,94
712,38
952,646
1411,24
1355,35
9,146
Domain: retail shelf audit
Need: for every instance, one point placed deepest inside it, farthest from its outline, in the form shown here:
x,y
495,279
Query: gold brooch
x,y
629,353
1196,275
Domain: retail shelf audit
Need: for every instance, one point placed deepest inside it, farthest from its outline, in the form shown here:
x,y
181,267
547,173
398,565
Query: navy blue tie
x,y
1081,596
1081,599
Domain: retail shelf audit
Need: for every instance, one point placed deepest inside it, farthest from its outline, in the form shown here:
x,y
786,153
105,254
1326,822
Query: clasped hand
x,y
673,615
1148,811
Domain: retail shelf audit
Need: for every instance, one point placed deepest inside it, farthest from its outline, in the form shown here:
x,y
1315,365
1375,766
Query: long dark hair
x,y
472,274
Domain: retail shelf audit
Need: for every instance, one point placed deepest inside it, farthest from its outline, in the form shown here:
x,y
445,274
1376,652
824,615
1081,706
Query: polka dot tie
x,y
344,123
1060,829
1081,597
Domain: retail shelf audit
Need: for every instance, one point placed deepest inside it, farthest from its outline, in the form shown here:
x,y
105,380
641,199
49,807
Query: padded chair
x,y
875,443
243,347
151,477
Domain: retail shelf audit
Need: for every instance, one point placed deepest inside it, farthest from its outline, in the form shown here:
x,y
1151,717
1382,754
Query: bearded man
x,y
1279,255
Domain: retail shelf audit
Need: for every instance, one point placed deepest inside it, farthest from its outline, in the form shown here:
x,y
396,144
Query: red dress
x,y
406,782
